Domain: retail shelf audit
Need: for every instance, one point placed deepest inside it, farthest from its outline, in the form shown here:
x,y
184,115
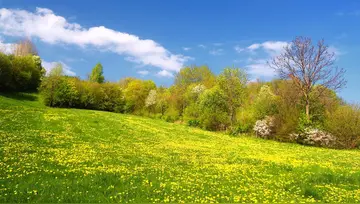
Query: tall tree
x,y
25,47
309,66
195,74
233,83
97,74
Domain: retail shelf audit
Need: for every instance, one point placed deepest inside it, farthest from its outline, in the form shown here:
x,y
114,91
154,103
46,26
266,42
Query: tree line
x,y
300,106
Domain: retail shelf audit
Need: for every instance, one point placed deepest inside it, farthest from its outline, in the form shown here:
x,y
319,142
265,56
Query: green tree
x,y
5,72
97,74
195,74
136,93
214,109
232,81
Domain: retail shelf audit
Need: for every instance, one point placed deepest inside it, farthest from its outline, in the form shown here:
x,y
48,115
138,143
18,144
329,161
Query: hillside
x,y
71,155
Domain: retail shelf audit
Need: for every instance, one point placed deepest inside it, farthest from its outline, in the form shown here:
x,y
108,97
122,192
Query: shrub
x,y
240,128
314,137
264,128
344,124
71,92
193,123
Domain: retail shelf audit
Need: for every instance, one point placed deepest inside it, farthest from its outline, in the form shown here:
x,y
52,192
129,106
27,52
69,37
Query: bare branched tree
x,y
309,66
25,47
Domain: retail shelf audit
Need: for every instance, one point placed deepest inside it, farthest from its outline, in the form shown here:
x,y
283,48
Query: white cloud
x,y
271,47
186,48
202,46
165,73
254,46
260,68
238,49
143,72
51,28
6,48
216,52
50,65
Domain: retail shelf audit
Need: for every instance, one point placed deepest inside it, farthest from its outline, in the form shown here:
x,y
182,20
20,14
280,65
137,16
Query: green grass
x,y
70,155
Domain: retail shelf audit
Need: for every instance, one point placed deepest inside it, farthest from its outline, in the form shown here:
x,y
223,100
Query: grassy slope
x,y
69,155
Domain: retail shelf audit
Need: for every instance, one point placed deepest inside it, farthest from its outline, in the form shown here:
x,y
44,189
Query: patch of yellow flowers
x,y
64,155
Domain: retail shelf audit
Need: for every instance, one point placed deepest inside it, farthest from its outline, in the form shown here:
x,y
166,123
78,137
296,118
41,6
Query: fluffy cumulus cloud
x,y
51,28
50,65
165,73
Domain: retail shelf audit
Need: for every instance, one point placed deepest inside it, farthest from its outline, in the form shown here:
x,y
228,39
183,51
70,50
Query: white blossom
x,y
151,99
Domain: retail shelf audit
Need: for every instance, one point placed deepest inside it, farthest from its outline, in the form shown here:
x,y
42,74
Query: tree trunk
x,y
307,109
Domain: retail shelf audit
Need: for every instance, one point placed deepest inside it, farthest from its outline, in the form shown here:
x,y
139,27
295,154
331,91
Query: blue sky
x,y
154,39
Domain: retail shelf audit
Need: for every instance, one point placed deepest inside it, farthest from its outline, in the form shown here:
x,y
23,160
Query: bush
x,y
193,123
264,128
20,73
241,128
60,92
314,137
344,124
71,92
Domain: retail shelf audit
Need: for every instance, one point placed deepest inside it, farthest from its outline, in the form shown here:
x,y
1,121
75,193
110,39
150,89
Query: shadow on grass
x,y
20,96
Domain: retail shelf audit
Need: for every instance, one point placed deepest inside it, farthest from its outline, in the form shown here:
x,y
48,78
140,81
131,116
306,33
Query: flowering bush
x,y
314,137
264,128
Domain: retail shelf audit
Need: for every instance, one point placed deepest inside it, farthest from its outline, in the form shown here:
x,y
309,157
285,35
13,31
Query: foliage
x,y
52,155
233,83
97,74
25,73
344,124
214,109
136,92
71,92
5,72
195,75
309,65
265,103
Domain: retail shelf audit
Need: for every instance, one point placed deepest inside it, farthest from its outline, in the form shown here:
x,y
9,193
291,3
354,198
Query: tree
x,y
5,72
57,70
214,109
309,66
195,74
136,93
24,48
151,100
97,74
232,81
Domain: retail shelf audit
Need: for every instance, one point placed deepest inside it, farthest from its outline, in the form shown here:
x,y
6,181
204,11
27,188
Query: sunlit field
x,y
70,155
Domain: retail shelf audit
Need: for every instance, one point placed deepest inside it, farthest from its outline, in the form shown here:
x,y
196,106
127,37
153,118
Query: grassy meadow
x,y
70,155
